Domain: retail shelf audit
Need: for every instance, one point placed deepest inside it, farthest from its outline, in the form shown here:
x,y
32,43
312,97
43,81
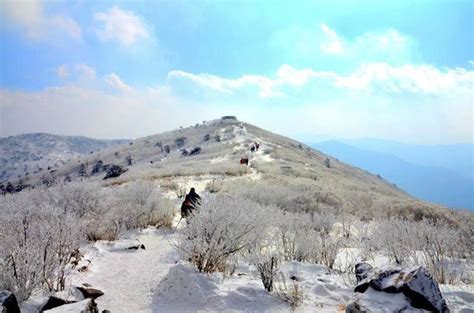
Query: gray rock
x,y
355,307
362,271
137,247
84,306
8,302
416,284
98,167
90,292
54,302
114,171
195,151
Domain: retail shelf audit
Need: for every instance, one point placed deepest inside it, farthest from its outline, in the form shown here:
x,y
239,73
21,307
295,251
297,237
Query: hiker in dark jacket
x,y
194,197
190,203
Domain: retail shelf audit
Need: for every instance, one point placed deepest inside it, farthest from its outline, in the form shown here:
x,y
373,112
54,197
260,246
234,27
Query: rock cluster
x,y
416,284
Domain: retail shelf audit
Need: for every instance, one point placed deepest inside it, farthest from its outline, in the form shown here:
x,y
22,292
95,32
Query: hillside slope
x,y
26,154
298,176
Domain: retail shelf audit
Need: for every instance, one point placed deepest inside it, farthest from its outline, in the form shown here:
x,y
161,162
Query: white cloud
x,y
66,25
114,81
90,111
122,26
267,87
226,85
322,44
408,78
29,15
372,77
62,71
370,44
79,72
333,44
421,104
85,71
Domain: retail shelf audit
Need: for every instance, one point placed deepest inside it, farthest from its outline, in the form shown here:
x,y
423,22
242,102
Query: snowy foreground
x,y
155,280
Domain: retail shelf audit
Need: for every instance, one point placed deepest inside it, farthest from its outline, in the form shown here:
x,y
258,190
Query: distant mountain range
x,y
28,154
440,173
456,157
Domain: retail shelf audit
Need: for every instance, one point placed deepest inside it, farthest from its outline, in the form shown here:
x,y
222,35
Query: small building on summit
x,y
229,118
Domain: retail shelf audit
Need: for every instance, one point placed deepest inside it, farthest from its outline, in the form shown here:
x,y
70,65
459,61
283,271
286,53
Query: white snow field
x,y
155,280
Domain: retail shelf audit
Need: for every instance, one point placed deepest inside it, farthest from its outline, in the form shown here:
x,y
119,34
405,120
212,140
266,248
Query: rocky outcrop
x,y
194,151
75,299
8,302
98,167
416,284
84,306
114,171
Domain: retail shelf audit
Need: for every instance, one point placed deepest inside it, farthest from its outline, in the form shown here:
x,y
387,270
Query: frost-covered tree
x,y
38,238
426,243
221,227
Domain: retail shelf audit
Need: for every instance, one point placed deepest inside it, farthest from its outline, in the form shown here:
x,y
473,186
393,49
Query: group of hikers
x,y
192,200
253,148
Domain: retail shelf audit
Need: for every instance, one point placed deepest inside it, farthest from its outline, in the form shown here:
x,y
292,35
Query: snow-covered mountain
x,y
28,154
273,210
219,145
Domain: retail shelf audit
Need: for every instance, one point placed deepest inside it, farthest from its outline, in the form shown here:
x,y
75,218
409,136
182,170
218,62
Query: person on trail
x,y
194,197
190,203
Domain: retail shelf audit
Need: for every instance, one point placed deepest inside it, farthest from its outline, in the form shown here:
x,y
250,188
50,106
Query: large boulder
x,y
8,302
416,284
84,306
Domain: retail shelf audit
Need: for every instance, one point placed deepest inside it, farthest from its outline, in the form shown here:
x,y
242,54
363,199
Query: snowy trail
x,y
129,278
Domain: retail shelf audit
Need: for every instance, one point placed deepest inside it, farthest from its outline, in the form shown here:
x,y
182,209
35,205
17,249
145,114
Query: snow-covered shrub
x,y
396,239
466,229
295,195
222,226
439,244
298,239
309,238
139,204
214,186
38,238
288,292
434,245
330,245
81,199
266,254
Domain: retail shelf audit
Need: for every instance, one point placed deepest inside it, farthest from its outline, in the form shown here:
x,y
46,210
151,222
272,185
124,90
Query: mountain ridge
x,y
286,165
431,183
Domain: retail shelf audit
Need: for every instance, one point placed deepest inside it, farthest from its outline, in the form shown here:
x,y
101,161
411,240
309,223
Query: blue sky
x,y
308,69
